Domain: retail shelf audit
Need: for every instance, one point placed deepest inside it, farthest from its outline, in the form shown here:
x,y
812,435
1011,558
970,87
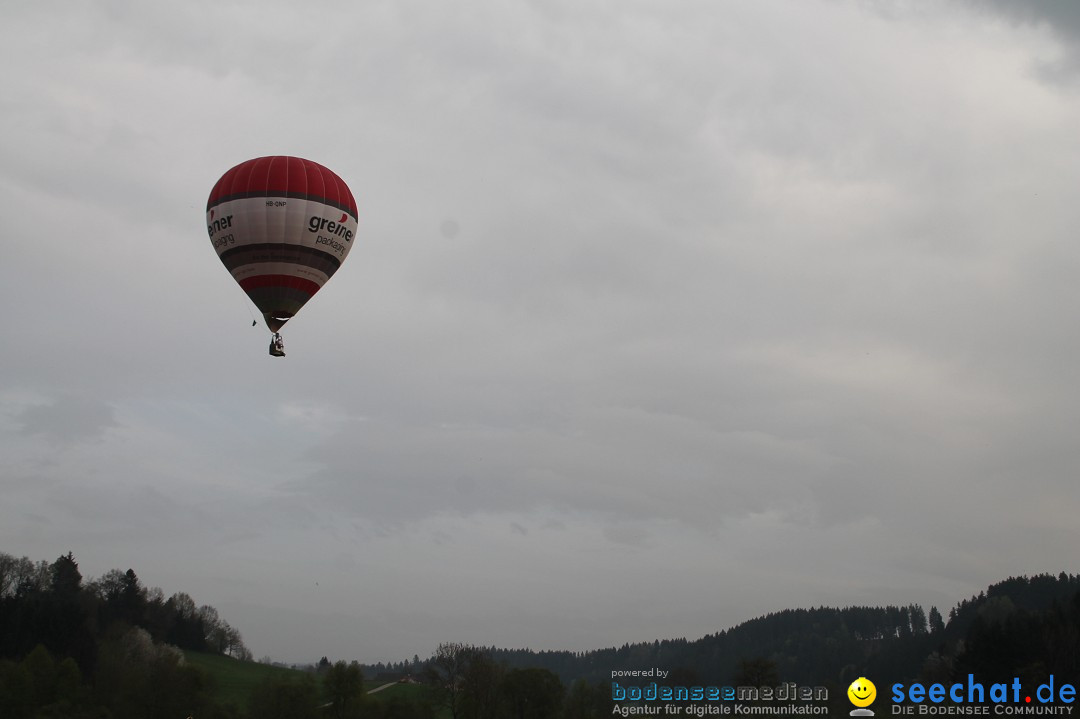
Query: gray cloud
x,y
1060,18
763,291
68,419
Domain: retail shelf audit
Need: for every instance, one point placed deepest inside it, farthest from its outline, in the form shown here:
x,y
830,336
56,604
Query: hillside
x,y
822,646
233,680
75,649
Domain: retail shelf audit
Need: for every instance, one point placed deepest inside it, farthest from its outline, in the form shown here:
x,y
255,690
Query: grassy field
x,y
409,692
235,680
405,691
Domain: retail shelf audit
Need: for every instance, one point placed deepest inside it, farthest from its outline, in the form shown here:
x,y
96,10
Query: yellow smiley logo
x,y
862,692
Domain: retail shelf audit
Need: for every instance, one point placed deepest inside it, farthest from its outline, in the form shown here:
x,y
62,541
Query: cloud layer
x,y
659,319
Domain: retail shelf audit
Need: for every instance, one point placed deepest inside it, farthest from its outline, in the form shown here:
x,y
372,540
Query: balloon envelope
x,y
282,226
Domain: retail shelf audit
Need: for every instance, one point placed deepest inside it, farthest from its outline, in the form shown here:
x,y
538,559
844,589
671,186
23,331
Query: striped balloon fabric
x,y
282,226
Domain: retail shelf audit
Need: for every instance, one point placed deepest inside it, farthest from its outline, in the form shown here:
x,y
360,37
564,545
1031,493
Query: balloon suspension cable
x,y
247,306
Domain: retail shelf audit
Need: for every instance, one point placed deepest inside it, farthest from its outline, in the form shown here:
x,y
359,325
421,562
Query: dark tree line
x,y
1008,638
111,648
104,647
469,683
50,604
798,641
833,646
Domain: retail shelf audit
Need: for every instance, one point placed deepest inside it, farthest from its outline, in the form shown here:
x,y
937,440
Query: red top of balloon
x,y
283,176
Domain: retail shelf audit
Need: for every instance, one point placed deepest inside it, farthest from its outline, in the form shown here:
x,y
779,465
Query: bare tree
x,y
447,674
213,628
8,575
31,577
109,586
235,644
183,605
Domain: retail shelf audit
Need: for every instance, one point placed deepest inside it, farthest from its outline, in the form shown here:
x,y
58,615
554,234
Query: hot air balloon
x,y
282,226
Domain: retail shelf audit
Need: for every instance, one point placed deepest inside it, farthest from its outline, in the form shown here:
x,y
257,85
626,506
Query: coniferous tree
x,y
937,626
66,579
917,617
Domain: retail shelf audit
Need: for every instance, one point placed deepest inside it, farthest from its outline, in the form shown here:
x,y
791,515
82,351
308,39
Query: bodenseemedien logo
x,y
786,700
862,694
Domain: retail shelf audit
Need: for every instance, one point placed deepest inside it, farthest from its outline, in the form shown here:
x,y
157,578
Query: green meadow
x,y
235,680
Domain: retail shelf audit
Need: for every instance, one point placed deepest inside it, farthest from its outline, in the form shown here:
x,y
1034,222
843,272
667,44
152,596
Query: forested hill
x,y
51,604
102,647
1017,623
111,643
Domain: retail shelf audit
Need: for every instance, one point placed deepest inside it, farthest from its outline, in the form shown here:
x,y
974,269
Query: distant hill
x,y
824,646
110,646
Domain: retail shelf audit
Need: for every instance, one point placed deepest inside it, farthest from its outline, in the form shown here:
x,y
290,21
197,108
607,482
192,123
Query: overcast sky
x,y
662,315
